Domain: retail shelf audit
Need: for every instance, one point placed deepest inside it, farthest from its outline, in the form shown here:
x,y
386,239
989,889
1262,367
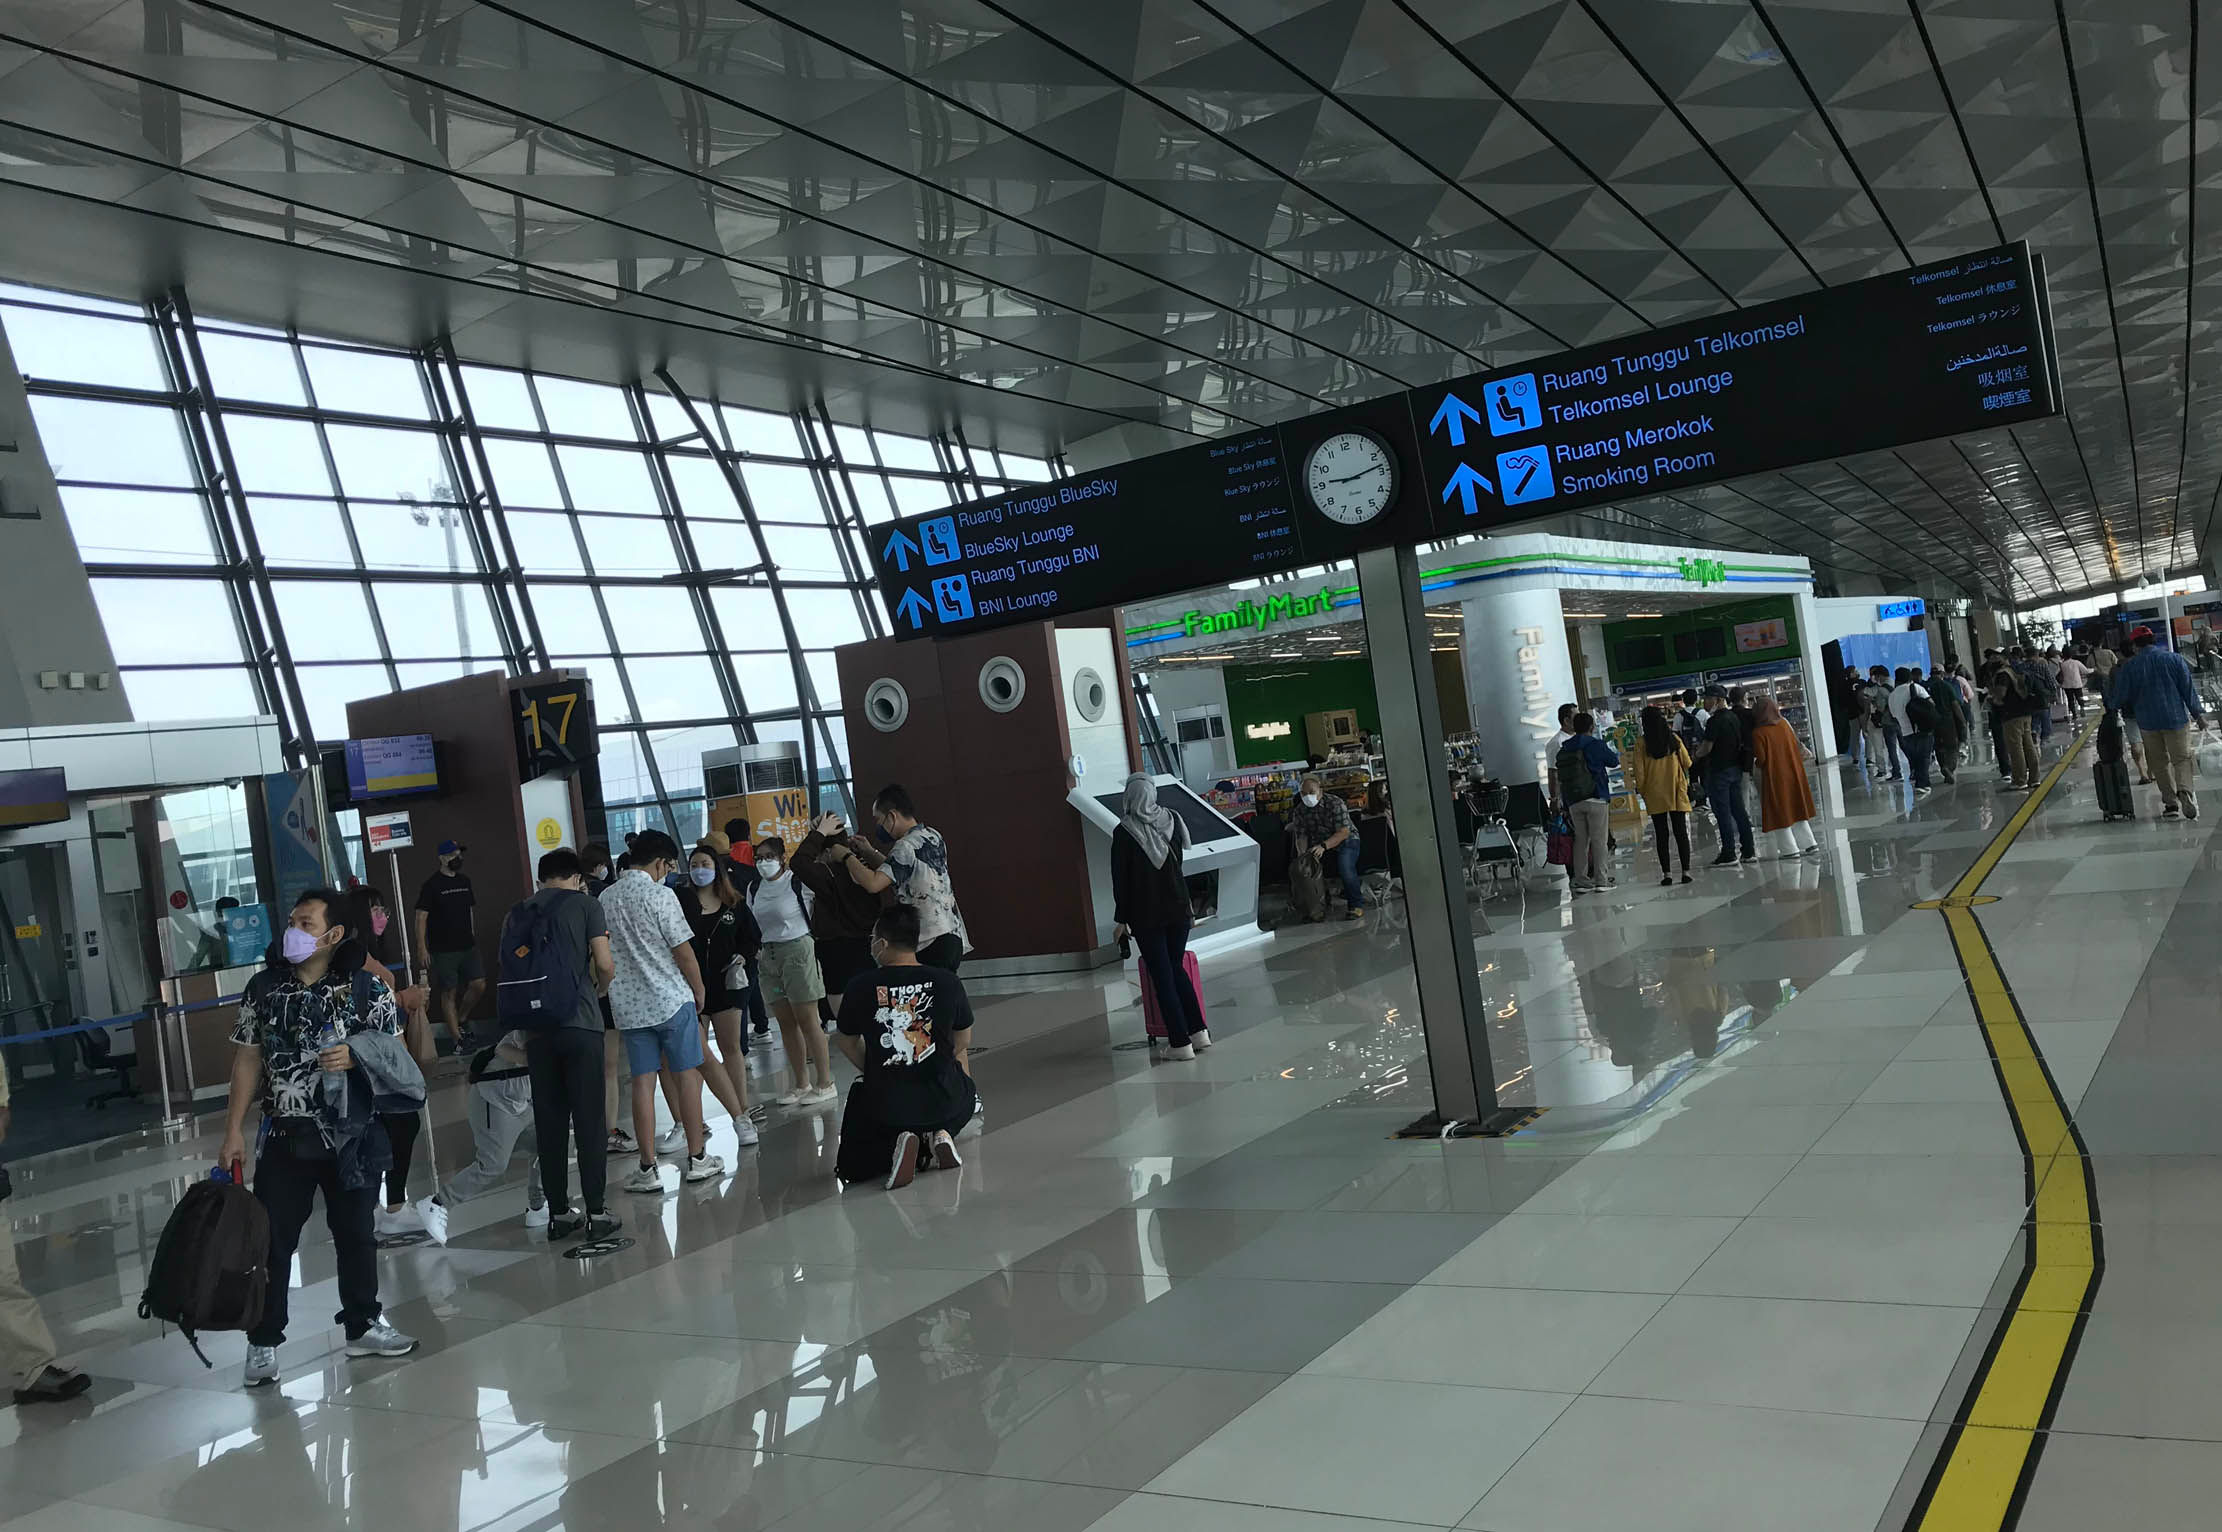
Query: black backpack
x,y
1921,713
211,1267
539,987
1576,782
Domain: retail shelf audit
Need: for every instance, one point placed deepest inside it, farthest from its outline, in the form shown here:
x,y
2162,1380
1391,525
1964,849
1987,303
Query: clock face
x,y
1351,477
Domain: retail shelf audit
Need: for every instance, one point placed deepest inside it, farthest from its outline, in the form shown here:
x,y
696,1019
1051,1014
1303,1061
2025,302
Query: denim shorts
x,y
675,1045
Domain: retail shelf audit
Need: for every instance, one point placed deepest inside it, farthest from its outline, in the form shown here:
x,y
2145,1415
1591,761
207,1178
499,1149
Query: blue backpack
x,y
540,986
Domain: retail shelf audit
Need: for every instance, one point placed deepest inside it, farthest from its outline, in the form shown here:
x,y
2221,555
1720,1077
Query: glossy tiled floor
x,y
1730,1281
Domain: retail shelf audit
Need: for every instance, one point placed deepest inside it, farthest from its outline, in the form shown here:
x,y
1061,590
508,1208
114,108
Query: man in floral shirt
x,y
294,1022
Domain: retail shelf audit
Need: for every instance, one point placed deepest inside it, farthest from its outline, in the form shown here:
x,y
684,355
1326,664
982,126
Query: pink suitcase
x,y
1153,1020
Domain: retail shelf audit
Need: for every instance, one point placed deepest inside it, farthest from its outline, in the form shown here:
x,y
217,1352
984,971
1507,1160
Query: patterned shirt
x,y
1316,825
287,1019
919,864
645,923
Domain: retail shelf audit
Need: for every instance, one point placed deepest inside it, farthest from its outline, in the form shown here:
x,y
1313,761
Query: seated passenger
x,y
906,1028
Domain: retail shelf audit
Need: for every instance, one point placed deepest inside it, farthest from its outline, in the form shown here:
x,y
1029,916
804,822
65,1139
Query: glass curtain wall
x,y
275,523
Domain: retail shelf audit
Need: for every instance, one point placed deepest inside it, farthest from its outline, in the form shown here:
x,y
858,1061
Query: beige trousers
x,y
26,1344
2169,752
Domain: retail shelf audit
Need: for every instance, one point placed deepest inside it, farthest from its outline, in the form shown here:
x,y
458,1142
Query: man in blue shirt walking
x,y
2155,688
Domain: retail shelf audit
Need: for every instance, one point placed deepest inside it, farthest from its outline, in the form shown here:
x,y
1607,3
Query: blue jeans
x,y
1177,1000
1346,864
1724,790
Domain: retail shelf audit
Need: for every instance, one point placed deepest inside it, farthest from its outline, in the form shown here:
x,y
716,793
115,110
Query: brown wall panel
x,y
993,783
477,803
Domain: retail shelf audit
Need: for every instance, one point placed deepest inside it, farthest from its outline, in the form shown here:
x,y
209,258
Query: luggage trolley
x,y
1491,852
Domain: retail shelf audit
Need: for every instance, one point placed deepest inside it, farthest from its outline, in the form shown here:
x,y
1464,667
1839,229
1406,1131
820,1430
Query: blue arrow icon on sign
x,y
1462,484
915,607
898,551
1452,415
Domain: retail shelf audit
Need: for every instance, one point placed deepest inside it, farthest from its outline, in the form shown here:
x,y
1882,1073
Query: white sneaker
x,y
791,1097
1182,1054
645,1178
537,1218
262,1367
671,1140
822,1096
622,1142
401,1220
435,1220
745,1132
704,1167
979,1123
945,1152
381,1339
1200,1039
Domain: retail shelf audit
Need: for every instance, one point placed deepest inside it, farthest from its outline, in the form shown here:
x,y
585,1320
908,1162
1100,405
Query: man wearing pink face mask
x,y
299,1020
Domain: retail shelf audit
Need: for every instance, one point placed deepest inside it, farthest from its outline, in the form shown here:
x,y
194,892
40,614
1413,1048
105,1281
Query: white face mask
x,y
1311,800
769,866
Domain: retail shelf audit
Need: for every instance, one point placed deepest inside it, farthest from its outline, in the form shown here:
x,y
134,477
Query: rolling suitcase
x,y
2111,779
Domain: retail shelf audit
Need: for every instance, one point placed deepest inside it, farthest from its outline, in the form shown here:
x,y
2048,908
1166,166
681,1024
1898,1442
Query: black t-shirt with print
x,y
446,901
287,1019
908,1017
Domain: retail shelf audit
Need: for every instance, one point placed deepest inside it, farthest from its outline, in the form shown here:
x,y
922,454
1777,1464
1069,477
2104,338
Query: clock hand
x,y
1376,468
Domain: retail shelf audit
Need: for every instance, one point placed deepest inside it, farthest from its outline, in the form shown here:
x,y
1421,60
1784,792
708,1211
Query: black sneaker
x,y
1725,859
600,1226
564,1225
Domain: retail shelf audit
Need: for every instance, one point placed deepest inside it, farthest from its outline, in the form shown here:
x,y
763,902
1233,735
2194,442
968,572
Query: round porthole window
x,y
886,704
1002,684
1088,694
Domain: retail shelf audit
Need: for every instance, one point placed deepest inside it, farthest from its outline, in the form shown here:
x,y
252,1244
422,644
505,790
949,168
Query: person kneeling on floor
x,y
501,1114
907,1029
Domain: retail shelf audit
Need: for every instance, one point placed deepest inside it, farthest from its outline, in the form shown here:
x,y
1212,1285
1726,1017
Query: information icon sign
x,y
1513,405
1524,474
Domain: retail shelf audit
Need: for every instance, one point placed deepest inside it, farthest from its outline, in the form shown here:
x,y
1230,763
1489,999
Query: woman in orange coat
x,y
1785,797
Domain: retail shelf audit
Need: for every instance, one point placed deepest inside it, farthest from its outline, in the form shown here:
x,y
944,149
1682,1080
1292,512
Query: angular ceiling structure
x,y
1037,220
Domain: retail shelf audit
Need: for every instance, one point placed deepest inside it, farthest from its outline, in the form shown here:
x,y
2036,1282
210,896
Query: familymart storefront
x,y
1251,676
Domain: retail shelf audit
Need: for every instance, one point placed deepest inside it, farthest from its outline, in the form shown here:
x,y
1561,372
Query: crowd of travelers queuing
x,y
651,965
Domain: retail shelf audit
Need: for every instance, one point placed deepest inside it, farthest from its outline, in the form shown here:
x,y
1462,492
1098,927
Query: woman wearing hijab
x,y
1660,769
1785,797
1149,899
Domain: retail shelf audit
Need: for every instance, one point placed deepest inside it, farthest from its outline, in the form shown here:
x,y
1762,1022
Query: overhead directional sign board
x,y
1309,492
1938,350
1932,351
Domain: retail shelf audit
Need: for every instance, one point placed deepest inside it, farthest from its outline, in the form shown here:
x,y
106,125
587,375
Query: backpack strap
x,y
364,990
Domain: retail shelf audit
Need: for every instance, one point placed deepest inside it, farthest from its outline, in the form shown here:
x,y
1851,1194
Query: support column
x,y
1452,1013
1518,671
1820,717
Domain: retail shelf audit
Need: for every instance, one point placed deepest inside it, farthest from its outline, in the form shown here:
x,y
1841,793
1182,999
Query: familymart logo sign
x,y
1254,614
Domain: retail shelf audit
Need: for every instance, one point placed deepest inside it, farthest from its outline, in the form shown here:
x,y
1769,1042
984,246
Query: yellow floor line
x,y
1984,1467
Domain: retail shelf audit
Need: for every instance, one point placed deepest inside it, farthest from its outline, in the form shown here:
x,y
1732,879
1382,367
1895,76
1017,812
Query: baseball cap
x,y
2141,635
1717,691
450,847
